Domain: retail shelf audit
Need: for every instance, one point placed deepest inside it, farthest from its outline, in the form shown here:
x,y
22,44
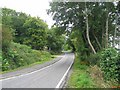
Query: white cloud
x,y
32,7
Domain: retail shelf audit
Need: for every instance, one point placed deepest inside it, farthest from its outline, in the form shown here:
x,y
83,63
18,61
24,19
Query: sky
x,y
32,7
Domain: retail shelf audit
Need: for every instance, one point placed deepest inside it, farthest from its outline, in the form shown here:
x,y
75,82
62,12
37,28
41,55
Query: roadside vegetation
x,y
27,40
92,30
85,75
89,29
80,77
22,55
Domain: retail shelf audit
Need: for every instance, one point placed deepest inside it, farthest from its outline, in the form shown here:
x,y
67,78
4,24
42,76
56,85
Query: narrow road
x,y
48,77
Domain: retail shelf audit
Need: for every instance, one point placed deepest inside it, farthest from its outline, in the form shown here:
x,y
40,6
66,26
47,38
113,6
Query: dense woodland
x,y
90,29
93,29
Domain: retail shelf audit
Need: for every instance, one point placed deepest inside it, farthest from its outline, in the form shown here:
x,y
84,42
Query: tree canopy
x,y
91,22
32,31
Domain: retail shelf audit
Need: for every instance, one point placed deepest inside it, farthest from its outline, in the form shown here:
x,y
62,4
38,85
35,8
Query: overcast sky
x,y
32,7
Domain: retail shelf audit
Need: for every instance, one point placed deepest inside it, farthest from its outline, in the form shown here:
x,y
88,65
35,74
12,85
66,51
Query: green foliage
x,y
54,41
0,60
6,38
80,78
76,41
21,55
0,37
31,31
82,81
86,25
67,47
35,33
71,18
110,64
17,24
6,16
14,20
94,59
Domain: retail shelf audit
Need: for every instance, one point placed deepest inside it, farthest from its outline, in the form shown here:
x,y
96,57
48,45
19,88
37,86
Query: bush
x,y
6,42
6,38
0,60
93,59
22,55
110,64
118,69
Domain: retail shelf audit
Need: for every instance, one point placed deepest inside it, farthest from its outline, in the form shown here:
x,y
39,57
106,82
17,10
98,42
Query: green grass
x,y
27,66
79,77
33,64
84,76
24,56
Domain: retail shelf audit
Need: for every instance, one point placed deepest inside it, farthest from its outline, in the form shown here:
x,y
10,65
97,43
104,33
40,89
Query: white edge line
x,y
30,72
60,82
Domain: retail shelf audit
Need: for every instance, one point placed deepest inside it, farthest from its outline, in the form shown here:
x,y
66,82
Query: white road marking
x,y
29,72
60,82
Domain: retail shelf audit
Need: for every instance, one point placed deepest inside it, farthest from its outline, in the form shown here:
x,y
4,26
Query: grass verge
x,y
21,56
84,76
80,78
33,64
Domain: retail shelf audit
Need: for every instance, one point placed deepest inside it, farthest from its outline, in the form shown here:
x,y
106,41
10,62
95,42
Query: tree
x,y
17,24
54,41
36,33
7,16
117,26
90,19
28,30
14,20
87,29
6,38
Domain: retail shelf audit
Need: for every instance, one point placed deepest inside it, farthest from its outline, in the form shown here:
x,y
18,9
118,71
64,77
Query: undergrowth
x,y
21,55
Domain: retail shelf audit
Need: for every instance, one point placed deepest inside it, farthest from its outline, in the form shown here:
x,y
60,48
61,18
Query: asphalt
x,y
47,77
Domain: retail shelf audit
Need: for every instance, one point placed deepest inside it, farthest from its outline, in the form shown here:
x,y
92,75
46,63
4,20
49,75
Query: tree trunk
x,y
87,31
119,43
103,39
114,36
97,40
106,44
